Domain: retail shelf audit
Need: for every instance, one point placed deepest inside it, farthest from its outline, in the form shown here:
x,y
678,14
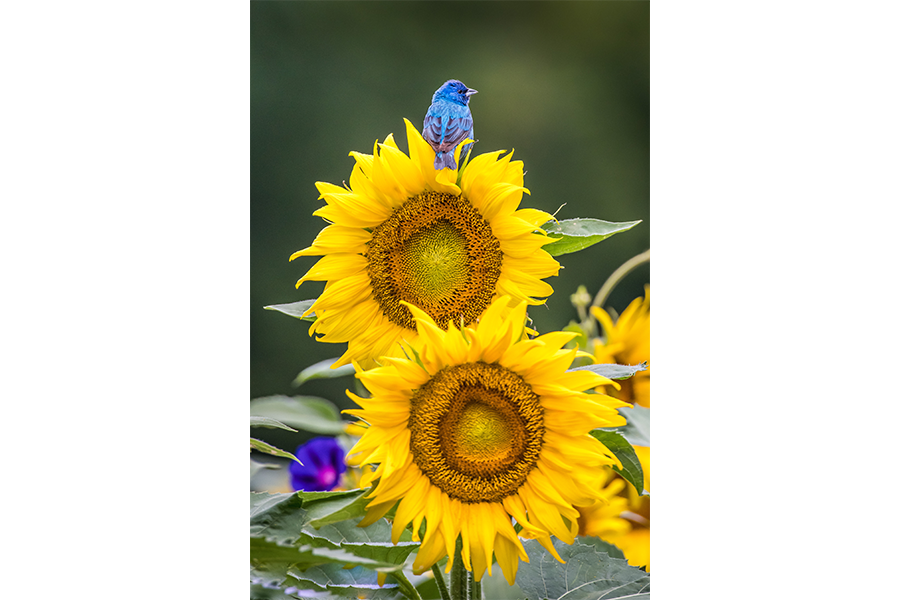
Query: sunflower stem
x,y
618,275
439,580
458,587
474,588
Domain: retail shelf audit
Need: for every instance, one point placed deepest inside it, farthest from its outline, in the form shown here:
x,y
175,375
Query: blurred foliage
x,y
565,84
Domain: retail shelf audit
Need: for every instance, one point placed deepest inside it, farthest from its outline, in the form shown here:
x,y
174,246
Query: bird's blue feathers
x,y
448,122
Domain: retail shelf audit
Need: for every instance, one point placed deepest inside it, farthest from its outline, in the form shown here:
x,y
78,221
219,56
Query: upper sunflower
x,y
627,343
403,232
481,426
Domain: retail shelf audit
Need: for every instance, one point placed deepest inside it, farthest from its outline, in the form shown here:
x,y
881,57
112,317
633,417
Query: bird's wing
x,y
444,132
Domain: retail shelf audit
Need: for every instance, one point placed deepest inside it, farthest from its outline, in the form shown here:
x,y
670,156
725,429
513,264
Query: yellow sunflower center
x,y
438,253
476,430
435,258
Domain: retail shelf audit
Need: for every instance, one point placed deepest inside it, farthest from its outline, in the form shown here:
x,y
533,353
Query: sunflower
x,y
636,543
627,343
479,426
624,518
445,243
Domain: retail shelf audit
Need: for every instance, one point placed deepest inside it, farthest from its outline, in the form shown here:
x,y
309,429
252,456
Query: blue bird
x,y
448,122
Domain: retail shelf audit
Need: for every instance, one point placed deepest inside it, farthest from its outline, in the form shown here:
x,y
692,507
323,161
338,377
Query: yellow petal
x,y
335,266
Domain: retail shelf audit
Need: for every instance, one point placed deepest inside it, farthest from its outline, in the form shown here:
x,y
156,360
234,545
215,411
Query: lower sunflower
x,y
480,426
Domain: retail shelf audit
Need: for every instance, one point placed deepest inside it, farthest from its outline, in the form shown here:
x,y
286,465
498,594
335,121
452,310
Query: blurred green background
x,y
567,84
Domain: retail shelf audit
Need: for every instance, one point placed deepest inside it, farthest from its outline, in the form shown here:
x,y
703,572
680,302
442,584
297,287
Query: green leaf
x,y
268,558
277,517
346,533
637,430
262,592
262,446
601,546
494,587
385,557
268,422
271,562
586,575
288,592
293,569
613,371
295,309
303,412
322,519
322,370
352,583
631,467
256,467
286,550
577,234
330,510
291,518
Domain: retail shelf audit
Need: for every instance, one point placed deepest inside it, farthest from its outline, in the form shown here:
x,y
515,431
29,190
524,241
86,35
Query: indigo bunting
x,y
448,122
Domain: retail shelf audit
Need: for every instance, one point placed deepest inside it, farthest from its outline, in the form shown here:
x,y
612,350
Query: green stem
x,y
458,588
441,584
406,586
474,588
618,275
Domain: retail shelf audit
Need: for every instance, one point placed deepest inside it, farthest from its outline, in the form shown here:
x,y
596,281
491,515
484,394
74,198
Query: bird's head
x,y
454,90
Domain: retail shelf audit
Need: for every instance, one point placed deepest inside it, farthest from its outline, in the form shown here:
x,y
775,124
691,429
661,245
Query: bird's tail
x,y
443,160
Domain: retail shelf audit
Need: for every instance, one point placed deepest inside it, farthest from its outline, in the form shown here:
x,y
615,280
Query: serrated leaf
x,y
283,518
322,370
330,510
385,557
355,583
268,557
334,535
601,545
269,422
586,575
277,517
262,446
269,560
269,563
286,591
295,309
637,429
283,540
631,469
307,413
293,570
268,592
613,371
289,592
577,234
316,518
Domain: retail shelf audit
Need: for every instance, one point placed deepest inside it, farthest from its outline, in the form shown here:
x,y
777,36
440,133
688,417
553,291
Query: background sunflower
x,y
565,84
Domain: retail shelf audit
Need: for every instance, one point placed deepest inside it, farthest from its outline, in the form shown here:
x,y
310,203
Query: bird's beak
x,y
470,91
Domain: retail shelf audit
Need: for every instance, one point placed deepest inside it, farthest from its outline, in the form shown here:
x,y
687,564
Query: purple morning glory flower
x,y
323,465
